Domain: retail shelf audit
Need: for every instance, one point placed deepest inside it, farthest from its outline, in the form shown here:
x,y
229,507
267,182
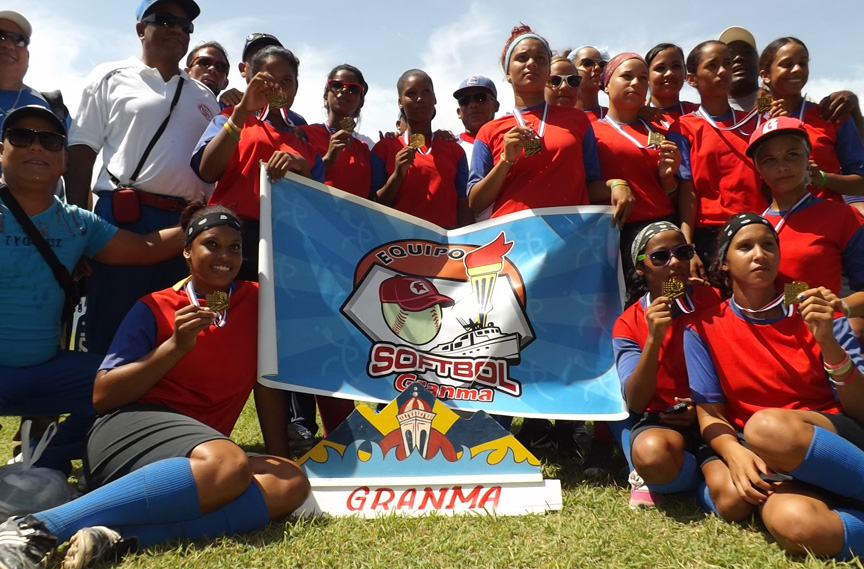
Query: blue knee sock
x,y
162,492
853,533
703,498
834,464
246,513
685,480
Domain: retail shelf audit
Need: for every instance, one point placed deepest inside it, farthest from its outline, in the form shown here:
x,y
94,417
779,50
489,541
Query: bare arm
x,y
79,173
272,410
388,192
128,248
687,210
642,383
486,191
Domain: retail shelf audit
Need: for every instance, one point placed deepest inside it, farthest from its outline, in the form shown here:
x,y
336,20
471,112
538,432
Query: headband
x,y
734,225
516,40
616,62
213,219
648,232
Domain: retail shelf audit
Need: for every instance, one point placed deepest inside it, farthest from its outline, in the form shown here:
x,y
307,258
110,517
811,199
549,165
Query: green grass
x,y
594,529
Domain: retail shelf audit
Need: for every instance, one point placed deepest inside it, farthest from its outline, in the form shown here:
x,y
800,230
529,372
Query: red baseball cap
x,y
412,293
775,127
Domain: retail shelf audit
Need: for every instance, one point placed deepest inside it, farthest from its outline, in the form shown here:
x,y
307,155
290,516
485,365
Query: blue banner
x,y
512,316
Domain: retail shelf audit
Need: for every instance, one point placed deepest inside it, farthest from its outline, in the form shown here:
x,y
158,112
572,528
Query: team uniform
x,y
675,112
122,106
433,183
820,237
558,175
594,114
356,171
466,141
204,386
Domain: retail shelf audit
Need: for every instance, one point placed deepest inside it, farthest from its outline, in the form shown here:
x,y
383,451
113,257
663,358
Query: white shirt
x,y
121,109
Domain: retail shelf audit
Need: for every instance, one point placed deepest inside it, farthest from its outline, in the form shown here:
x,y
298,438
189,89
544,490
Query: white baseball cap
x,y
18,19
737,33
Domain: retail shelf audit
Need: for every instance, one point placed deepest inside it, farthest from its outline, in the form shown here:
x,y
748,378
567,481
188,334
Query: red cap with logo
x,y
775,127
412,293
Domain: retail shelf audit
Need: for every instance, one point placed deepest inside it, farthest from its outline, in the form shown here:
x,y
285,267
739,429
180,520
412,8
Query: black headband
x,y
213,219
734,225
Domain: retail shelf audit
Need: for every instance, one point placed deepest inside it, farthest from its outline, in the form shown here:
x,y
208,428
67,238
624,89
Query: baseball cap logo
x,y
769,126
419,288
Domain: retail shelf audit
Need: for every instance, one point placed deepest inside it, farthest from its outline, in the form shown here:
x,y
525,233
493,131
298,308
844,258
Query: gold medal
x,y
417,141
217,301
792,290
672,288
347,124
655,139
763,101
277,100
532,145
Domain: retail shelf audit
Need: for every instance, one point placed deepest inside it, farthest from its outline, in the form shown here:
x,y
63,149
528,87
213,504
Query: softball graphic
x,y
412,308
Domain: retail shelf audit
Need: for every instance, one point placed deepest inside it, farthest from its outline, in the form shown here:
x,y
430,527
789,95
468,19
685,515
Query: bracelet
x,y
236,128
504,159
823,179
847,310
672,191
840,369
231,132
833,367
621,183
847,381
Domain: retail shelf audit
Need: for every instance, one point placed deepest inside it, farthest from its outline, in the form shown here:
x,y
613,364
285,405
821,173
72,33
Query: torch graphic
x,y
483,265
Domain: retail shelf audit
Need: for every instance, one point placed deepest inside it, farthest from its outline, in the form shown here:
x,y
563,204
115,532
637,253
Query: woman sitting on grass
x,y
179,371
779,399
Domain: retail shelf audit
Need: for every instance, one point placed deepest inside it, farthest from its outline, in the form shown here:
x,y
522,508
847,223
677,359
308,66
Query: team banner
x,y
512,316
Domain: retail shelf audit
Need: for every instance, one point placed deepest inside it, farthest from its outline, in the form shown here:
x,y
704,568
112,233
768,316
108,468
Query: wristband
x,y
822,180
236,128
504,159
671,191
847,310
839,370
847,381
619,183
231,132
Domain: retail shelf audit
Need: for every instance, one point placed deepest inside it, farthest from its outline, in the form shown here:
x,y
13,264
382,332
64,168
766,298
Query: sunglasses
x,y
219,66
167,20
558,80
19,40
662,257
588,62
336,86
24,137
476,97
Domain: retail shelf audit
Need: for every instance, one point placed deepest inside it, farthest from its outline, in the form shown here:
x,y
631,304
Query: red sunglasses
x,y
335,86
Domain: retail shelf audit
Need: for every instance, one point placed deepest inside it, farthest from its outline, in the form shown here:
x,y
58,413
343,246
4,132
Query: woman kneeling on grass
x,y
169,393
779,399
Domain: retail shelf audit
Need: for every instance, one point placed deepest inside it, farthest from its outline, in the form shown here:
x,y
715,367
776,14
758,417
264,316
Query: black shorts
x,y
137,435
652,421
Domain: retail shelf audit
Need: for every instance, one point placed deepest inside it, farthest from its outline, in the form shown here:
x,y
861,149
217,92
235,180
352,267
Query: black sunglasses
x,y
167,20
335,86
476,97
662,257
558,80
588,62
219,66
24,137
19,40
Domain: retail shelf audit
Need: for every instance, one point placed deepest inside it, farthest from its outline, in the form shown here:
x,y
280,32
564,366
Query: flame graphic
x,y
483,265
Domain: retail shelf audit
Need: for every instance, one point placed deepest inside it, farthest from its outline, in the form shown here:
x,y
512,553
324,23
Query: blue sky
x,y
449,39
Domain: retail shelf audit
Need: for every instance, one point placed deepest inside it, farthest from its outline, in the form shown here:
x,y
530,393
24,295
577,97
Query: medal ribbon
x,y
221,317
428,146
684,303
738,124
614,124
521,121
787,310
664,122
283,112
780,224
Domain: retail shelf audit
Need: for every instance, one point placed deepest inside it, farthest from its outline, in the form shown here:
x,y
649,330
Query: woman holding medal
x,y
716,179
838,154
159,461
649,357
541,155
427,174
256,129
348,163
783,416
631,149
666,73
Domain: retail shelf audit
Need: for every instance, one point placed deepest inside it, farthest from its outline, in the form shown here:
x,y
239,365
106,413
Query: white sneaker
x,y
93,544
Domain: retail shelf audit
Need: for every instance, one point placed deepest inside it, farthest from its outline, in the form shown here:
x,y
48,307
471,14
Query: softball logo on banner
x,y
451,316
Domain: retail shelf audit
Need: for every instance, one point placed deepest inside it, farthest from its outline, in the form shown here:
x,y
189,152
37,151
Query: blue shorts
x,y
63,384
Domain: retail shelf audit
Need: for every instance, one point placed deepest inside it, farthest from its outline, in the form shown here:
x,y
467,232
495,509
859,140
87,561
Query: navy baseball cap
x,y
260,40
33,111
192,9
476,81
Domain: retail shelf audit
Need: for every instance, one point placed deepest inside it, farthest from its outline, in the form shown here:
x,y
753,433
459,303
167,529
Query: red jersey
x,y
213,381
671,369
594,114
433,183
352,171
620,157
238,187
725,180
673,113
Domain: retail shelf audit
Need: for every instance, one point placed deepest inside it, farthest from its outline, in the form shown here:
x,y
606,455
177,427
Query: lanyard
x,y
804,199
221,317
738,124
428,146
666,124
684,303
614,124
282,111
521,121
787,310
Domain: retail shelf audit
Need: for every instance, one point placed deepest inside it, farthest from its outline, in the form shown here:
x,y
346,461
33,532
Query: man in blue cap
x,y
145,181
478,102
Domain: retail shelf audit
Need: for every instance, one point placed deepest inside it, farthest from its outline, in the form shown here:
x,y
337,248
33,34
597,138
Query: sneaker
x,y
535,434
25,543
640,495
96,543
300,438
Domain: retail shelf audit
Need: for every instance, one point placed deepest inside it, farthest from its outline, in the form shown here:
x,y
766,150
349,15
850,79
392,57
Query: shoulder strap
x,y
55,101
158,132
61,273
